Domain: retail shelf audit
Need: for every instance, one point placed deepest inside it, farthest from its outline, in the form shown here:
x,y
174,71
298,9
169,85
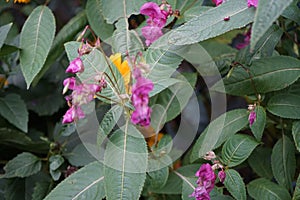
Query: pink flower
x,y
252,117
206,182
73,114
75,66
70,83
222,176
156,21
217,2
141,115
252,3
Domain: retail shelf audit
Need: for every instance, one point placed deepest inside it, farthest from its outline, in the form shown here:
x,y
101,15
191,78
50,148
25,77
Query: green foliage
x,y
3,33
285,105
259,124
235,185
24,165
296,134
35,41
264,189
263,167
14,110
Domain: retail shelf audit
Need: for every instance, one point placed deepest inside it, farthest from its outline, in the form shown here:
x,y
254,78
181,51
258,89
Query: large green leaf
x,y
219,131
285,105
283,162
267,12
67,33
266,75
13,108
18,140
212,23
296,134
80,155
292,12
125,161
96,19
25,164
264,189
258,126
157,178
297,189
123,8
237,149
235,185
188,187
3,33
35,41
260,162
86,183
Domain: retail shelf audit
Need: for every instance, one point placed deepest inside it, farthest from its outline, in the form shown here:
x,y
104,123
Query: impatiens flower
x,y
141,115
217,2
252,3
70,83
75,66
206,182
73,114
252,117
242,40
222,175
156,21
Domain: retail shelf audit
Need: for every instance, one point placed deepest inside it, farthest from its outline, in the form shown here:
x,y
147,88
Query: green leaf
x,y
292,12
125,161
267,12
285,105
283,162
96,19
205,26
260,162
264,189
123,8
40,190
7,49
157,178
13,108
3,33
23,165
296,134
219,131
259,124
195,11
56,161
126,41
235,185
35,41
19,140
237,149
15,189
297,189
266,75
55,174
80,156
86,183
188,187
67,33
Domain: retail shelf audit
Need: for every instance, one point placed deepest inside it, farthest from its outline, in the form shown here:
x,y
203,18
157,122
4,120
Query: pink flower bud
x,y
217,2
222,175
252,117
75,66
252,3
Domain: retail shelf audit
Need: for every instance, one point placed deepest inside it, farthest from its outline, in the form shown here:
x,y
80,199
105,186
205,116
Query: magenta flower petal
x,y
69,116
141,115
252,3
151,33
217,2
75,66
152,10
70,83
222,176
252,117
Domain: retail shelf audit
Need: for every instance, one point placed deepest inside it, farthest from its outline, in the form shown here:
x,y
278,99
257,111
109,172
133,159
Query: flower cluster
x,y
206,177
82,93
140,99
156,21
250,2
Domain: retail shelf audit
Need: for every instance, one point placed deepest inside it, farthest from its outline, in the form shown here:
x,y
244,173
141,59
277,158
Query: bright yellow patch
x,y
20,1
151,140
123,68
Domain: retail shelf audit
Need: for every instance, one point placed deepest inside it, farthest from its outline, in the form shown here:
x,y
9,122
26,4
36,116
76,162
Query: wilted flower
x,y
210,155
222,175
245,40
75,66
74,113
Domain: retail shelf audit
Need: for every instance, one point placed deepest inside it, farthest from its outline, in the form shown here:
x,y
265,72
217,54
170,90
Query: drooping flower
x,y
206,182
217,2
75,66
222,175
74,113
141,115
252,117
252,3
156,21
